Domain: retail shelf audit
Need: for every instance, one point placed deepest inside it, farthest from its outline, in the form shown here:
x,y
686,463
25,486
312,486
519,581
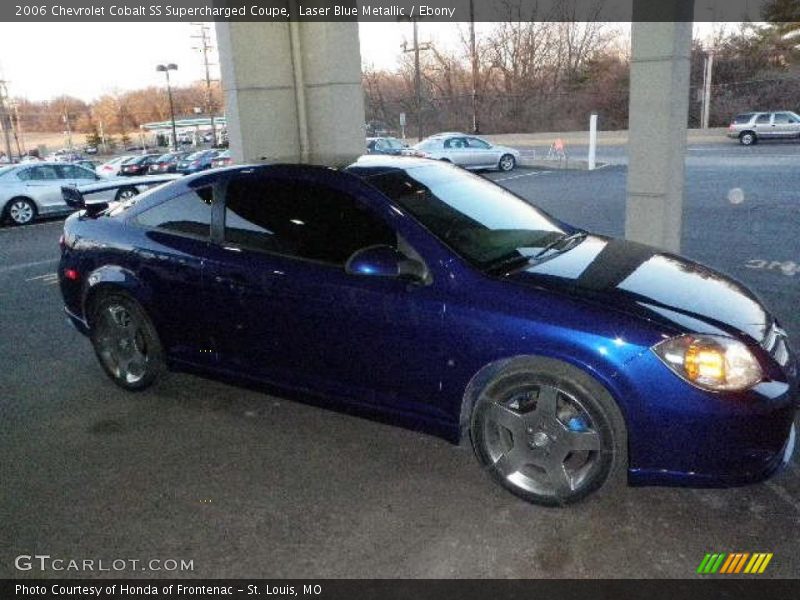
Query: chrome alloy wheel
x,y
122,344
541,440
21,211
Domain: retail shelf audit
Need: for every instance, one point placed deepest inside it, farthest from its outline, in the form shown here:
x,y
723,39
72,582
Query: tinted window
x,y
188,213
300,219
478,219
743,119
762,119
783,118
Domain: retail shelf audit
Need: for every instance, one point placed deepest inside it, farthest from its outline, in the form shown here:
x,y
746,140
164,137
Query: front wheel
x,y
548,433
507,162
21,211
125,342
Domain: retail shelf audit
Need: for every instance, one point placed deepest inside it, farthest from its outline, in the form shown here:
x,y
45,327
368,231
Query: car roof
x,y
376,164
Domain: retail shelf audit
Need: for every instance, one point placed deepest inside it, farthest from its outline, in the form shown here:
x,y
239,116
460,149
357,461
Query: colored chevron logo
x,y
734,563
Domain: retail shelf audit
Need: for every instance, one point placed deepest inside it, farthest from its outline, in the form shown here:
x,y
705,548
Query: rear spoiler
x,y
75,197
75,200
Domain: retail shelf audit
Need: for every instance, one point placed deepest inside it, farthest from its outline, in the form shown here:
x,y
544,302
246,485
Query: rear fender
x,y
113,278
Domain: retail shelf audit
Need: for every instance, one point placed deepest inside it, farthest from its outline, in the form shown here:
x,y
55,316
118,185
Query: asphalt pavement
x,y
251,485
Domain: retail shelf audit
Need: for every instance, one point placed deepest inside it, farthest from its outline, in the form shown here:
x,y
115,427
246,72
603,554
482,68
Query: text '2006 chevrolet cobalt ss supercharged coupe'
x,y
438,300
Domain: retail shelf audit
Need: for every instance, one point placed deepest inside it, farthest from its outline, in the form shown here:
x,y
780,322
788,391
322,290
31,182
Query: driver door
x,y
287,311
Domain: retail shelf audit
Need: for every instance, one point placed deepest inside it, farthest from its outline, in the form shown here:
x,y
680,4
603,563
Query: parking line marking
x,y
27,265
784,495
533,174
45,276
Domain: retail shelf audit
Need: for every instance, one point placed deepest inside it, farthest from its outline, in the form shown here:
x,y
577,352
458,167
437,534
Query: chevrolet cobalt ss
x,y
435,299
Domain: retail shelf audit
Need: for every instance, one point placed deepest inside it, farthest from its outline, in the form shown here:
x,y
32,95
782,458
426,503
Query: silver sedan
x,y
466,151
30,190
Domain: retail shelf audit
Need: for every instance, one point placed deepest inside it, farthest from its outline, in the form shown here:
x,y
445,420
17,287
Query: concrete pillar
x,y
292,91
659,108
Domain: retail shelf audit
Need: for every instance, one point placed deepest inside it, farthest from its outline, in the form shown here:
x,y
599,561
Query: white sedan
x,y
466,151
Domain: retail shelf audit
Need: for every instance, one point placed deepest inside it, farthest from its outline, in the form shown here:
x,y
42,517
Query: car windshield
x,y
197,155
7,169
484,223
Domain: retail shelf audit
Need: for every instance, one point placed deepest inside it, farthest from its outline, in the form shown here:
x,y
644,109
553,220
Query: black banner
x,y
399,10
732,588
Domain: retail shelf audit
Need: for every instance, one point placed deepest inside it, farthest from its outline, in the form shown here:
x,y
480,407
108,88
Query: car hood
x,y
661,287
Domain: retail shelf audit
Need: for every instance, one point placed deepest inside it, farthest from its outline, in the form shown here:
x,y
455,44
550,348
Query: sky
x,y
97,58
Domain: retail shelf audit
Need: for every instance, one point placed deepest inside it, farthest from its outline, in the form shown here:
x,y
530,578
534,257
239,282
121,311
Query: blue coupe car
x,y
413,291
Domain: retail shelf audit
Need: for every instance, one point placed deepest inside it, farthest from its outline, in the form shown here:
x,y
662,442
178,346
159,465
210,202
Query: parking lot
x,y
245,484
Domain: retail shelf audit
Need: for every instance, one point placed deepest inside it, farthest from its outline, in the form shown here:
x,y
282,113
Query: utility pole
x,y
205,47
474,57
417,76
67,125
707,75
5,117
18,127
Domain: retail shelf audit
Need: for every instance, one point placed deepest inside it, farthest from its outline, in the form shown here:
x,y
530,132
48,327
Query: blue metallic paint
x,y
407,353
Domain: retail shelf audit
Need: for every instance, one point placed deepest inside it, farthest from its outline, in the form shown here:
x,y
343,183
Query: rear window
x,y
742,119
187,214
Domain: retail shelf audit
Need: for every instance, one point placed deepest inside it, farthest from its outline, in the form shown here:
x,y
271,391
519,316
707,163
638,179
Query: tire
x,y
20,211
748,138
125,341
506,163
126,193
549,433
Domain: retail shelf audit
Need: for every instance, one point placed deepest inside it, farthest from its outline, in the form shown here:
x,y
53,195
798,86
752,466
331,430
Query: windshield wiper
x,y
561,240
510,263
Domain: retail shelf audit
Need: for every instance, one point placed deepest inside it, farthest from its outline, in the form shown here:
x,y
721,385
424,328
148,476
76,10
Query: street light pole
x,y
474,58
166,69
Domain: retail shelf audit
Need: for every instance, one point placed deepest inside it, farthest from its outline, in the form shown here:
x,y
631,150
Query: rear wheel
x,y
549,433
747,138
20,211
126,193
126,342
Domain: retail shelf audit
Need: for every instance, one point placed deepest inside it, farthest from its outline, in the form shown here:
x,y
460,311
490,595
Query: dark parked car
x,y
223,159
167,163
441,301
197,161
385,145
138,165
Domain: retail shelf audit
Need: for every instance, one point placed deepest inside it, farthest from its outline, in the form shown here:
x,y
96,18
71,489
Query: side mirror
x,y
385,261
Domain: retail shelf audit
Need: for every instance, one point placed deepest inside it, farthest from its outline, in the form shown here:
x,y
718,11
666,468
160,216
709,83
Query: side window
x,y
40,173
476,143
74,172
783,118
300,219
762,120
189,213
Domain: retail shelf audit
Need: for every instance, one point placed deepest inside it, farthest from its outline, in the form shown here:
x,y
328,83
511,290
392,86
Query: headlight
x,y
710,362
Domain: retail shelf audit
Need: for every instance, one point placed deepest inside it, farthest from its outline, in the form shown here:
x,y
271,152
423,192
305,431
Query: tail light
x,y
71,274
